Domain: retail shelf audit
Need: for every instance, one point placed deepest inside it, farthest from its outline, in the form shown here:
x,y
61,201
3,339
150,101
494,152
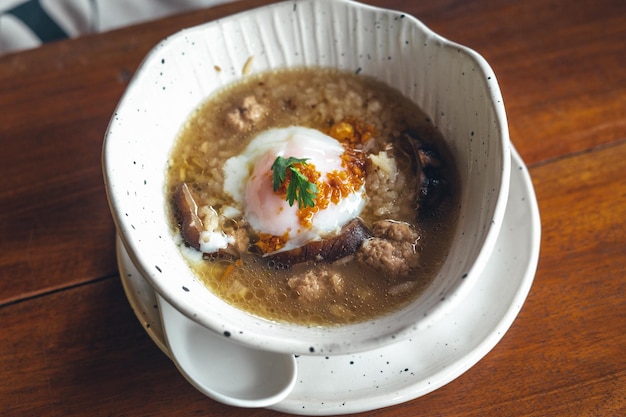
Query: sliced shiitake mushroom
x,y
347,242
187,213
433,186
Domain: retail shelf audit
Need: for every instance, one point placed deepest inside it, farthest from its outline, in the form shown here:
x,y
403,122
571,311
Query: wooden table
x,y
70,344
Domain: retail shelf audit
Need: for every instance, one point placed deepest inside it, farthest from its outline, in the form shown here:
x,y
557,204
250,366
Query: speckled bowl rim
x,y
391,34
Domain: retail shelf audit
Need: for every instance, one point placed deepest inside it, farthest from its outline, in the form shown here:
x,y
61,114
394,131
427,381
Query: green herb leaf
x,y
299,187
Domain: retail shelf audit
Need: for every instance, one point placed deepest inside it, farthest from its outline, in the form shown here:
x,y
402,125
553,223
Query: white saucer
x,y
412,368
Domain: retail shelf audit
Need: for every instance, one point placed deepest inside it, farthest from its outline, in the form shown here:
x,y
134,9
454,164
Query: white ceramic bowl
x,y
453,84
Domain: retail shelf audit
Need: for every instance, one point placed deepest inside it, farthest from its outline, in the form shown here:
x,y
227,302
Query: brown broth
x,y
314,98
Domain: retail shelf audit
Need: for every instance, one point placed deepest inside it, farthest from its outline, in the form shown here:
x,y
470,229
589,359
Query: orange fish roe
x,y
342,131
338,184
351,131
270,243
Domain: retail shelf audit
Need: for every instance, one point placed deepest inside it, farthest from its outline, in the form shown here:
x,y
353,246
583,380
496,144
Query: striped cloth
x,y
27,24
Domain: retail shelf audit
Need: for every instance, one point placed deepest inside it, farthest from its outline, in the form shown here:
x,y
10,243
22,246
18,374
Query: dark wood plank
x,y
72,346
81,351
560,66
56,102
564,355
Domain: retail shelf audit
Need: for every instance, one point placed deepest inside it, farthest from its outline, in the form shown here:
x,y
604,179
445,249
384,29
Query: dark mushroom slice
x,y
433,185
347,242
187,214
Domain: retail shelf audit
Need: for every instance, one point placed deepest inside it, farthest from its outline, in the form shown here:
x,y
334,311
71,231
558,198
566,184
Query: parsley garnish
x,y
299,188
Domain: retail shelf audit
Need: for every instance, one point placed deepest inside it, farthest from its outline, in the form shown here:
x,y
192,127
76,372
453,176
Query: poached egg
x,y
248,180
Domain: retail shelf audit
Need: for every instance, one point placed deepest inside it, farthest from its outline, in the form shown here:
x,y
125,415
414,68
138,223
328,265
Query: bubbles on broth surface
x,y
261,287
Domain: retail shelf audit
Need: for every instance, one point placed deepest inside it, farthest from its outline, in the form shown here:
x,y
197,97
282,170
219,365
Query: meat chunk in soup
x,y
243,117
384,208
313,285
393,248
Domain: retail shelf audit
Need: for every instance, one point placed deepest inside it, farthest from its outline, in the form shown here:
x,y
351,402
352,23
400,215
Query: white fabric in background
x,y
78,17
15,35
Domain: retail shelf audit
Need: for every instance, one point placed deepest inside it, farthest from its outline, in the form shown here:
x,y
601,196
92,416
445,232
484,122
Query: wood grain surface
x,y
70,344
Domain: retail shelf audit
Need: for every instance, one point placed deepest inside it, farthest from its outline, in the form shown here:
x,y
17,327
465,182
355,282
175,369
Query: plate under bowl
x,y
452,83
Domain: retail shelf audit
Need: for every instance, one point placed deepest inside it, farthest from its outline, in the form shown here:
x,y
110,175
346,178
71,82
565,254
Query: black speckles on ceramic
x,y
433,356
453,84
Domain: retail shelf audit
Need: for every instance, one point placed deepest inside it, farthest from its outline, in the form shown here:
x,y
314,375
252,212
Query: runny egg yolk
x,y
336,171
